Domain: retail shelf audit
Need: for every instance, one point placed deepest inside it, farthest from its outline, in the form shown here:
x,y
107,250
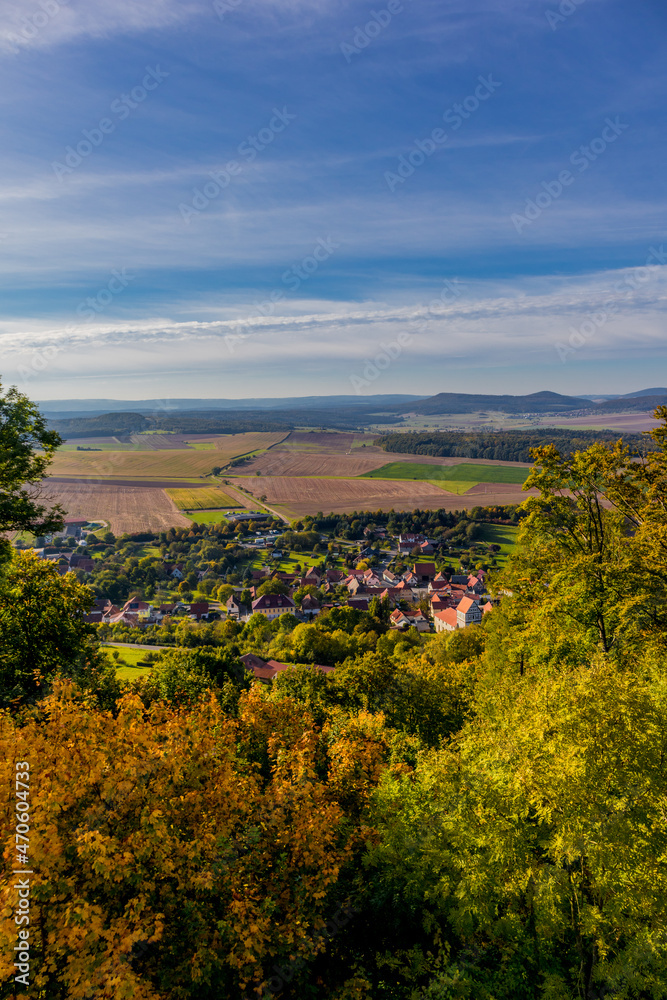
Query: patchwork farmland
x,y
294,496
161,463
296,474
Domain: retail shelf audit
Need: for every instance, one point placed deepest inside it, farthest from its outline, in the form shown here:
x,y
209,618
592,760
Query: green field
x,y
204,498
465,472
502,535
128,666
457,486
206,516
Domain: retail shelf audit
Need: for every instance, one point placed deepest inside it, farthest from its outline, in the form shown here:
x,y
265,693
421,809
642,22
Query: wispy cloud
x,y
45,23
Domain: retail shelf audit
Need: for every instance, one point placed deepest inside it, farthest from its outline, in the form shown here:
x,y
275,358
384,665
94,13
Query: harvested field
x,y
307,496
631,423
209,498
326,442
492,493
302,463
162,484
95,444
159,464
159,442
125,508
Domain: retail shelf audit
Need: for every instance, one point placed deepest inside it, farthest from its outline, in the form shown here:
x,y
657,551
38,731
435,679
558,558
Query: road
x,y
246,500
134,645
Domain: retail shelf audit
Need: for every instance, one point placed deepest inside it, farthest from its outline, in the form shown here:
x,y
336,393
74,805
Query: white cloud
x,y
44,23
488,324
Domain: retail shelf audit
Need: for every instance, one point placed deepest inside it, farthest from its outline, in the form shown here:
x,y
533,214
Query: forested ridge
x,y
507,446
478,814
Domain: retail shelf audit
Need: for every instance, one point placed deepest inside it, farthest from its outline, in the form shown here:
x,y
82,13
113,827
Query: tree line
x,y
507,446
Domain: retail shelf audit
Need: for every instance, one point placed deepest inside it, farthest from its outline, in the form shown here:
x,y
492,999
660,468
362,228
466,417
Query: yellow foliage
x,y
163,852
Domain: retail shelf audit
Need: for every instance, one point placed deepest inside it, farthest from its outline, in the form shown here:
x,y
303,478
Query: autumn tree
x,y
181,853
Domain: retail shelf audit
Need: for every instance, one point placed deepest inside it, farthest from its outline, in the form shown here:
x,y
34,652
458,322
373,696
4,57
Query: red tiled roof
x,y
273,601
448,616
465,604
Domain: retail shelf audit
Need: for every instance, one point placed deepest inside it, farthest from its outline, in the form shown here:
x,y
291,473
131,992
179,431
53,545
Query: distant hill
x,y
62,409
104,425
220,421
459,402
645,392
635,402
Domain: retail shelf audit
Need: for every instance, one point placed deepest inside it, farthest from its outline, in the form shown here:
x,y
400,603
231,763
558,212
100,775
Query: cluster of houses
x,y
66,561
455,601
136,613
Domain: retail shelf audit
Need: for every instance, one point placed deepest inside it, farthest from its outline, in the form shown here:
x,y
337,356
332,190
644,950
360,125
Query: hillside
x,y
634,402
458,402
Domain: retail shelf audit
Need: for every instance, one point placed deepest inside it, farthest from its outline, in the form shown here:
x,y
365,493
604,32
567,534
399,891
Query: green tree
x,y
272,587
42,631
26,450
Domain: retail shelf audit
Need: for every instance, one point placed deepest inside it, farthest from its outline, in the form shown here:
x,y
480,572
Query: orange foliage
x,y
176,852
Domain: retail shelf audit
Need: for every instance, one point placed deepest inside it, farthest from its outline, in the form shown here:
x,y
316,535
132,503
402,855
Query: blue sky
x,y
513,243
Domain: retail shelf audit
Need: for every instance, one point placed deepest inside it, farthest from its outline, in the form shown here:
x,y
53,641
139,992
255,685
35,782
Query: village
x,y
421,596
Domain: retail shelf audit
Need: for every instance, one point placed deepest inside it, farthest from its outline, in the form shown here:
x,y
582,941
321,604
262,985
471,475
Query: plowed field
x,y
307,496
299,463
126,508
332,442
